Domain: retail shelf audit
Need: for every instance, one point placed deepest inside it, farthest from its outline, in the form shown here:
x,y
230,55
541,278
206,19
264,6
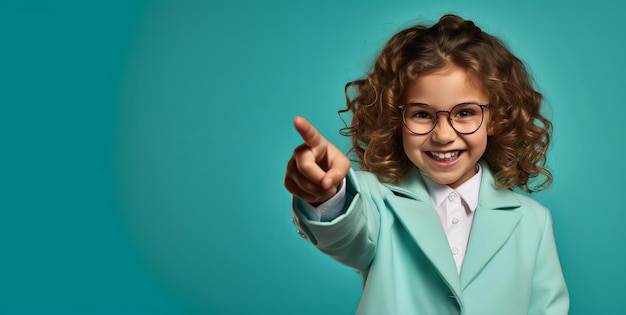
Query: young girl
x,y
444,127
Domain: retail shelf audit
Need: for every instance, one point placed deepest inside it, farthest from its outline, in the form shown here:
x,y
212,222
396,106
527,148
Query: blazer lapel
x,y
417,214
492,226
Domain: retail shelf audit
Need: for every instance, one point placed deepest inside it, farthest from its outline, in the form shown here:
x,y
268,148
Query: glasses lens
x,y
419,118
466,118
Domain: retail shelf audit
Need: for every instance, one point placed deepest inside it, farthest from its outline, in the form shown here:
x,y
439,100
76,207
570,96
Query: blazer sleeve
x,y
351,237
549,294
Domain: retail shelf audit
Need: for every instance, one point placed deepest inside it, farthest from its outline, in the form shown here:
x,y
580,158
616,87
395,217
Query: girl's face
x,y
444,155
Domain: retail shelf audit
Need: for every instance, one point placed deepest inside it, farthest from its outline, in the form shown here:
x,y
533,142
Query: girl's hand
x,y
316,167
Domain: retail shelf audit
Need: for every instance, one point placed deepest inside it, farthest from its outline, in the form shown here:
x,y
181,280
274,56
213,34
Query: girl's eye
x,y
420,114
464,113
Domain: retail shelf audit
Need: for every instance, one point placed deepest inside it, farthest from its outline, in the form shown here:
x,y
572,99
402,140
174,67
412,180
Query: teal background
x,y
144,145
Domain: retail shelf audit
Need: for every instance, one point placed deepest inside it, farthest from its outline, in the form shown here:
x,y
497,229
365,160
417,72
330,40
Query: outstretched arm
x,y
314,173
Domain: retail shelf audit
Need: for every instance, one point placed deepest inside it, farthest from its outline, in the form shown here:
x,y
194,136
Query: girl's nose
x,y
443,132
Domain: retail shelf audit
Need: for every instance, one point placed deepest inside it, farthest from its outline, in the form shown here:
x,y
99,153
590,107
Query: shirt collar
x,y
468,191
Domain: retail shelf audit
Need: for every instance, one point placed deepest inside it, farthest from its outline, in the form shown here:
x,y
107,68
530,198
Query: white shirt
x,y
455,208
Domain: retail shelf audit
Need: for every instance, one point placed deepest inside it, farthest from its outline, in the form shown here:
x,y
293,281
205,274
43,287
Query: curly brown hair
x,y
516,151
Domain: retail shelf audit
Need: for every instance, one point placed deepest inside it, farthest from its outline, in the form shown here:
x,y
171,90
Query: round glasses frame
x,y
436,117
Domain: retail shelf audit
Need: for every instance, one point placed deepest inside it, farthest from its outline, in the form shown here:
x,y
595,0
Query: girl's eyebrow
x,y
465,102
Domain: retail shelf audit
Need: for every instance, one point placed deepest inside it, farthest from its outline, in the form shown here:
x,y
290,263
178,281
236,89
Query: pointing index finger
x,y
312,138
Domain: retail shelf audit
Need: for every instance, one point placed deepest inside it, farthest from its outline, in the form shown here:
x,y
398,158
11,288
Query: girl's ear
x,y
491,130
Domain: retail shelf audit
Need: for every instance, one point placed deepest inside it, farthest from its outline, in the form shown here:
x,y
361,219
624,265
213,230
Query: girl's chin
x,y
453,179
443,180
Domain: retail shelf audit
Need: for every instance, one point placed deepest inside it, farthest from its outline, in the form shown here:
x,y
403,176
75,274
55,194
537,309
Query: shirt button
x,y
452,197
455,220
455,251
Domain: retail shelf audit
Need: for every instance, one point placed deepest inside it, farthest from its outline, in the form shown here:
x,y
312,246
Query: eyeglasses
x,y
465,118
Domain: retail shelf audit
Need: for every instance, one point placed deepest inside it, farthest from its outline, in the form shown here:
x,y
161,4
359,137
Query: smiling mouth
x,y
445,156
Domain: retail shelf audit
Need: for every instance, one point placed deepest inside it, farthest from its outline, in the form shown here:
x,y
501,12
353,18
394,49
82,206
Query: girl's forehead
x,y
450,69
446,86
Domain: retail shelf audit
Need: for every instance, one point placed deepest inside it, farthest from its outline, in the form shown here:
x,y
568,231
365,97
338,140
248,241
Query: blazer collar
x,y
492,226
492,198
411,204
494,222
412,186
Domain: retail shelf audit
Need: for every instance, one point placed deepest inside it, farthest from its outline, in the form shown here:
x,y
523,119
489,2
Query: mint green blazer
x,y
393,237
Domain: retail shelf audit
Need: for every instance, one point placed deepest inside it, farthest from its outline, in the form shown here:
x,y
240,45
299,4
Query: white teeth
x,y
445,156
